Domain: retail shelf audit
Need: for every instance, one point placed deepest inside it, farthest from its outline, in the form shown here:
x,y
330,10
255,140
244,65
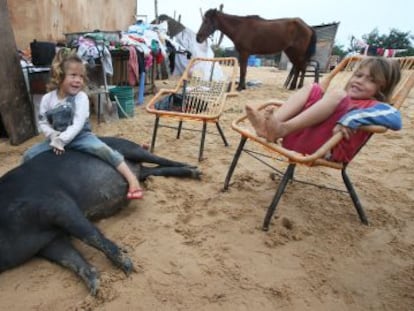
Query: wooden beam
x,y
16,109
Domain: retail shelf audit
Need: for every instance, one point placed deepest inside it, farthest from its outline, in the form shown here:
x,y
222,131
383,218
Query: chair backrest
x,y
341,74
219,69
339,77
406,83
205,84
201,96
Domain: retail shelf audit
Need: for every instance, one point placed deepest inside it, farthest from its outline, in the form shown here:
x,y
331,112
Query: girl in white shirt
x,y
64,119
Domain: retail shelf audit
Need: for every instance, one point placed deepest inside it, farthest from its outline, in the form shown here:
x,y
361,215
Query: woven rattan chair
x,y
339,76
200,95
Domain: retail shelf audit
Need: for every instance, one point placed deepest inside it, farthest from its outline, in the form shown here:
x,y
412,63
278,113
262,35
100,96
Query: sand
x,y
196,247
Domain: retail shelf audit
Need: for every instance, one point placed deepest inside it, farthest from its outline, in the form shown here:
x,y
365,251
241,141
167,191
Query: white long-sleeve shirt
x,y
81,115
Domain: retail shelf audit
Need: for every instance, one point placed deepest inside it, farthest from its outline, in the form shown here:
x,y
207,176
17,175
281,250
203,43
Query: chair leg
x,y
180,126
315,64
226,144
354,197
233,164
154,133
203,138
280,190
317,73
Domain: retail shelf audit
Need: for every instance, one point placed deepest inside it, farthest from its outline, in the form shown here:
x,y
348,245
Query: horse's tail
x,y
312,45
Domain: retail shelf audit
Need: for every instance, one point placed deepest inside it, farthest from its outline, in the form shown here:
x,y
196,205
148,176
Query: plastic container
x,y
251,61
125,96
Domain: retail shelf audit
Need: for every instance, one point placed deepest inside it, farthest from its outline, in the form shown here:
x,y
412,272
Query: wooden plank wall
x,y
49,20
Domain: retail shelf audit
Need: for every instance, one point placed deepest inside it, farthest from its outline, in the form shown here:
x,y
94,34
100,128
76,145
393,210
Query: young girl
x,y
64,119
310,117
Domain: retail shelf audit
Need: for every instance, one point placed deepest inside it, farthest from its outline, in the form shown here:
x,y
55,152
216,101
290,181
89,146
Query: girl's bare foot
x,y
135,194
257,120
135,191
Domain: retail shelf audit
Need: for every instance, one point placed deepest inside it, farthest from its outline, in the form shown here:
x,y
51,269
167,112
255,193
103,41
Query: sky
x,y
356,17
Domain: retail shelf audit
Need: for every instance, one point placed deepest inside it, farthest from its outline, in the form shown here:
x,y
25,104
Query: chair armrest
x,y
373,128
271,102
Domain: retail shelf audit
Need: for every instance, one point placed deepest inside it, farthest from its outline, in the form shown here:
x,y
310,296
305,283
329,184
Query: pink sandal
x,y
135,194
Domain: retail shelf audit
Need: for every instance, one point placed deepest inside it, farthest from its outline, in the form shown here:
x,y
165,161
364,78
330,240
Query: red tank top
x,y
308,140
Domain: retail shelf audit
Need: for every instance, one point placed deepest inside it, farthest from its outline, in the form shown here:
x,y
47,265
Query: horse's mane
x,y
255,17
213,12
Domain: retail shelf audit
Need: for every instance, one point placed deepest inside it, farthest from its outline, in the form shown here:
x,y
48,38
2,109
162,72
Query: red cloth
x,y
133,70
310,139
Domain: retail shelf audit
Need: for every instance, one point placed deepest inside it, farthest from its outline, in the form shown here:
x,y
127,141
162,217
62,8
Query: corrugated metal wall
x,y
325,40
48,20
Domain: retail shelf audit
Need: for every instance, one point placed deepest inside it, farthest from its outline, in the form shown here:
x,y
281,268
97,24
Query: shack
x,y
47,20
325,34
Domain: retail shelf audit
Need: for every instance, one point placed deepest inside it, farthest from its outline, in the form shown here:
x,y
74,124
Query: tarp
x,y
186,40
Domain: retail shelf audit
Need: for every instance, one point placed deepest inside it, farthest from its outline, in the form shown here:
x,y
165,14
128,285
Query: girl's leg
x,y
317,113
91,144
35,150
294,104
289,109
134,191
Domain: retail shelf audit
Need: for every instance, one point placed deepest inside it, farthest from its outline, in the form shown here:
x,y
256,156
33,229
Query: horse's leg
x,y
295,78
302,77
243,56
289,78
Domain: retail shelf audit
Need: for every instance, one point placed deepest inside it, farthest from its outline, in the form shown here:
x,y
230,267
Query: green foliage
x,y
394,40
339,50
218,51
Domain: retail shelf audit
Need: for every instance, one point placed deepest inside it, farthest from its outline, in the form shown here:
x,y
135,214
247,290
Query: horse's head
x,y
208,26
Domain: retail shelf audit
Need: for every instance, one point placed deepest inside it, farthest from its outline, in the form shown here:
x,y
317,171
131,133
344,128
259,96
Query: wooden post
x,y
156,11
16,109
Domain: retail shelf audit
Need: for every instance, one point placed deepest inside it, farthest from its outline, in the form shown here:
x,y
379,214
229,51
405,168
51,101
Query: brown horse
x,y
255,35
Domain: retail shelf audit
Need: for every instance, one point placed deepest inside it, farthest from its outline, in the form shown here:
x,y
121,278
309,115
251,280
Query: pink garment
x,y
310,139
148,62
133,70
380,51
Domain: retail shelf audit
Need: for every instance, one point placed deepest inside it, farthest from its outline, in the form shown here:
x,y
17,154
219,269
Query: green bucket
x,y
125,96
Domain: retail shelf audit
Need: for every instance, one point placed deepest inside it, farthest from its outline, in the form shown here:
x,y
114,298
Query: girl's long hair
x,y
59,66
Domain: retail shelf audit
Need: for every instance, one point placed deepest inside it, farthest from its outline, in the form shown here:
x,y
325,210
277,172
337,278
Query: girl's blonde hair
x,y
62,59
386,74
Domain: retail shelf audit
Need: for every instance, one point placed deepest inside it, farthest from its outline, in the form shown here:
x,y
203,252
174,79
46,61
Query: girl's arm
x,y
44,125
379,114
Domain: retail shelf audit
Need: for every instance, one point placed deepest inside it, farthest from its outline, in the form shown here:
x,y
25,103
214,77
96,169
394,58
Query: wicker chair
x,y
339,76
200,95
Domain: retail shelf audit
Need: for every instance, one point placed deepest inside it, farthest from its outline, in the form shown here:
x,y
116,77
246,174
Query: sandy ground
x,y
196,247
